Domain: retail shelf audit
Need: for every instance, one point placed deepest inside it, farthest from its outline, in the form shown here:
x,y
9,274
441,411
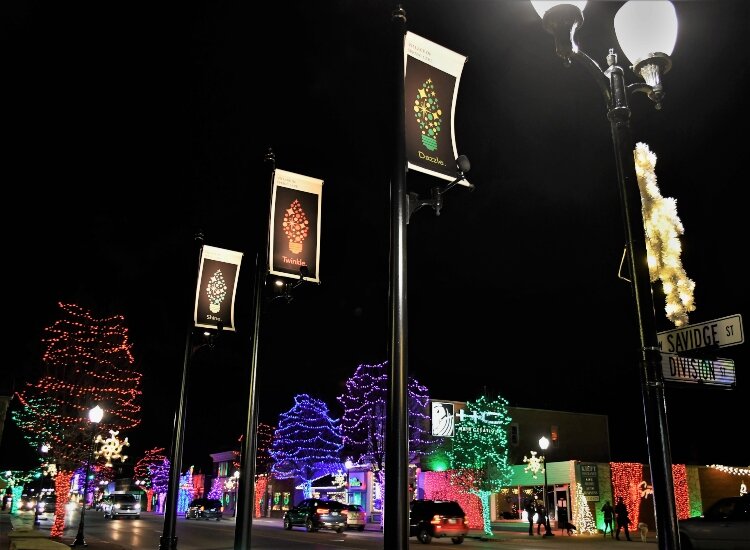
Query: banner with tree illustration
x,y
217,287
295,225
431,78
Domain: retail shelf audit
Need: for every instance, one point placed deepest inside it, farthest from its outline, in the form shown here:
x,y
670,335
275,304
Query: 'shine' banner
x,y
295,225
217,287
432,74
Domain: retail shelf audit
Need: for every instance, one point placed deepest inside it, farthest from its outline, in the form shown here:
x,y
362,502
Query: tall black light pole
x,y
168,539
246,495
562,21
396,521
95,416
544,445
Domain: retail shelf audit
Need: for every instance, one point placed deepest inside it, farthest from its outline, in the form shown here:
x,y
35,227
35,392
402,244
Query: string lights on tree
x,y
87,360
363,422
583,518
307,444
479,455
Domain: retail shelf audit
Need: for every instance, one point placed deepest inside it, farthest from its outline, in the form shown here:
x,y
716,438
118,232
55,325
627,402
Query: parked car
x,y
47,504
205,508
356,517
315,514
725,524
115,505
437,518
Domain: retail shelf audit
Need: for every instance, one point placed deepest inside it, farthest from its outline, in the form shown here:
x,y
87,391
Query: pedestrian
x,y
541,518
607,510
621,514
530,509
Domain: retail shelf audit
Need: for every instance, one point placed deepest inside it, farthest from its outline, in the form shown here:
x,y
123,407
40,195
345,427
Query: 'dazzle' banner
x,y
217,287
432,74
295,225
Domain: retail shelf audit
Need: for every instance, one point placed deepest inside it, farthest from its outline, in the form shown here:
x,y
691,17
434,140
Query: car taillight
x,y
436,519
345,512
221,508
202,508
321,510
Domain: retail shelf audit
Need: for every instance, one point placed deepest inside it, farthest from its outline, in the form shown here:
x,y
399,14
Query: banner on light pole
x,y
431,77
217,287
294,235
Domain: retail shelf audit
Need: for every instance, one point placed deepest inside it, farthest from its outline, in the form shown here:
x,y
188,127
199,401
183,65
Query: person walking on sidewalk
x,y
530,509
607,510
621,513
541,518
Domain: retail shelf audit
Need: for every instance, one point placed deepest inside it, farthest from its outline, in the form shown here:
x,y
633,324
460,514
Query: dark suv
x,y
315,514
725,524
205,508
437,518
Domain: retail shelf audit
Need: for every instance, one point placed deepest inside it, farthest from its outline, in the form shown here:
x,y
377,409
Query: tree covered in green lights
x,y
479,456
307,443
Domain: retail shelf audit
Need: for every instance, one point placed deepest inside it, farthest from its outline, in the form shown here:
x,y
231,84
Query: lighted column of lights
x,y
681,492
647,32
626,477
261,486
544,445
95,416
438,486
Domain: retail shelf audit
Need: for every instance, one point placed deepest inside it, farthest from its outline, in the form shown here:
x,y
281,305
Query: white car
x,y
117,505
724,525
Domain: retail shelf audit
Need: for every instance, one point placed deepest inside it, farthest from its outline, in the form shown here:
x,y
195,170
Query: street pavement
x,y
503,532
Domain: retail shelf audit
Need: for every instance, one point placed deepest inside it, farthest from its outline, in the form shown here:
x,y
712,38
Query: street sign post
x,y
713,372
723,332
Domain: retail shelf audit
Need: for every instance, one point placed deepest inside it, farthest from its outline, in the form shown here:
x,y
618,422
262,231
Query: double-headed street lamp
x,y
95,416
647,32
543,445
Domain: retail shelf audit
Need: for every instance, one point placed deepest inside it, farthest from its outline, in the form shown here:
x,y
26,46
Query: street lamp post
x,y
95,416
544,444
647,32
236,487
44,449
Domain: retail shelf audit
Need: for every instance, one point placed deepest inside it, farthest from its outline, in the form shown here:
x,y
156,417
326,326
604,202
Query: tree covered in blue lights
x,y
363,423
479,454
307,443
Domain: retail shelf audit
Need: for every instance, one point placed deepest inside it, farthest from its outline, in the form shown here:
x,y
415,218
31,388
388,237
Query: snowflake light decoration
x,y
536,464
111,447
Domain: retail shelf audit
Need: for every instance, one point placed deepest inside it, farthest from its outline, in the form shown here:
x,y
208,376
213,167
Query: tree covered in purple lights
x,y
307,443
363,422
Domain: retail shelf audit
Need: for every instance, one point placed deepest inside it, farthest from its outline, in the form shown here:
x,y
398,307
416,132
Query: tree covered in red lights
x,y
87,362
307,444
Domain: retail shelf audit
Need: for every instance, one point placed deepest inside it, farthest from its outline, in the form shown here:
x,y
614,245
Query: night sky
x,y
127,132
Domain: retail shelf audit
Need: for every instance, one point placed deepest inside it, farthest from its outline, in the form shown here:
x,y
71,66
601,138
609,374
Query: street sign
x,y
713,372
723,332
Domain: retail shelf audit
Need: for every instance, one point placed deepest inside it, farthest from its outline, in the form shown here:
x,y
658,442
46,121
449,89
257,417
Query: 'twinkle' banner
x,y
295,225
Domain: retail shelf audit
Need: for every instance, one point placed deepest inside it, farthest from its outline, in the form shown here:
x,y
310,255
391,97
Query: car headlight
x,y
138,506
117,506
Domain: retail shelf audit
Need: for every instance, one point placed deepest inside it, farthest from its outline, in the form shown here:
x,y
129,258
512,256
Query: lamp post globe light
x,y
646,32
543,445
43,449
236,485
95,416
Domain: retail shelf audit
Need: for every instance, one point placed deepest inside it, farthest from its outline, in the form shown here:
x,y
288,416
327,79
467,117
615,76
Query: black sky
x,y
128,131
